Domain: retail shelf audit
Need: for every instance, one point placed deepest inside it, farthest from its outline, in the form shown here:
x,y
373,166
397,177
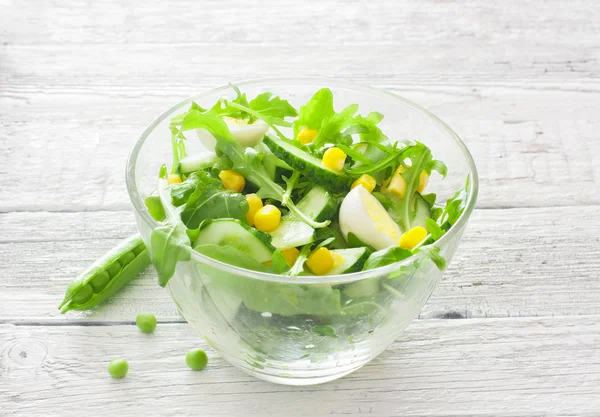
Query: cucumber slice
x,y
318,204
423,211
307,164
292,233
232,232
354,259
197,162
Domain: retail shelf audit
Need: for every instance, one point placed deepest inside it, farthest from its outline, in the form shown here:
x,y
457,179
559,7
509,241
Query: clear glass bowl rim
x,y
140,207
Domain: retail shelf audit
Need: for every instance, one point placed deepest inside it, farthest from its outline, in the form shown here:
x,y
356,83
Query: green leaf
x,y
169,244
438,166
210,202
279,264
332,231
433,253
180,193
386,257
355,242
298,266
272,106
155,207
315,111
324,330
231,256
429,198
434,229
454,207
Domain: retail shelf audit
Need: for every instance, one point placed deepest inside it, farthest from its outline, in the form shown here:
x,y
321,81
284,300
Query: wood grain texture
x,y
512,262
525,367
519,81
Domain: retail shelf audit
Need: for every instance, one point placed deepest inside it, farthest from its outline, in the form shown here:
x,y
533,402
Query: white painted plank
x,y
517,262
525,367
310,22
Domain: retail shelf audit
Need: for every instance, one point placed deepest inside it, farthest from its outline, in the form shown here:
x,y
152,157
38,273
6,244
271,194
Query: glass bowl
x,y
306,330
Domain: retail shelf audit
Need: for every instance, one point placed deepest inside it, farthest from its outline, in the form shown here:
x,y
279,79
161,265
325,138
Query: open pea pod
x,y
107,275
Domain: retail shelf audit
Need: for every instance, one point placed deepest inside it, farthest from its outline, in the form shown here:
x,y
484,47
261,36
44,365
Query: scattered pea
x,y
146,322
118,368
196,359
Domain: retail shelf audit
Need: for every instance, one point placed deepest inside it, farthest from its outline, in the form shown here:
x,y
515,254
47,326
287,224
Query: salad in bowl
x,y
296,228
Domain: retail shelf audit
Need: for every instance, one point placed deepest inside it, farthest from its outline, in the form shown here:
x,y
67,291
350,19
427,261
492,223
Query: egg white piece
x,y
363,215
246,134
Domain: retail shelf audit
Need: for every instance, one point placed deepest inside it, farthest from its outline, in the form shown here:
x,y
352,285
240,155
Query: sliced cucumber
x,y
423,211
274,166
198,161
354,259
318,204
307,164
232,232
292,233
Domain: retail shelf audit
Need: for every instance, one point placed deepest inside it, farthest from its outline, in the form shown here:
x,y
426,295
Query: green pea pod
x,y
107,275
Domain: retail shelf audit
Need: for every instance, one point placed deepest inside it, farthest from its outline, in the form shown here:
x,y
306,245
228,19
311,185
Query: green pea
x,y
84,294
139,249
196,359
118,368
146,322
100,280
114,269
127,258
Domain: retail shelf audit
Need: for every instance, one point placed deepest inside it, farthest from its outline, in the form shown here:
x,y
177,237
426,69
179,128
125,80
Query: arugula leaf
x,y
355,242
169,242
454,207
272,106
333,231
433,253
155,207
180,193
434,229
324,330
386,257
211,201
338,128
298,266
231,256
279,264
315,111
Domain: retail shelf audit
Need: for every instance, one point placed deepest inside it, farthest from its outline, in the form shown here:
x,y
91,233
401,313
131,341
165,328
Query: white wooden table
x,y
514,328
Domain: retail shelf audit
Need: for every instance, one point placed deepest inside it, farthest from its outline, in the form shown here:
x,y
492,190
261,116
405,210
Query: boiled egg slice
x,y
363,215
246,134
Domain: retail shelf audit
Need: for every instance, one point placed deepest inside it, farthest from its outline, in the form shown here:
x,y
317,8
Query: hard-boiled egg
x,y
246,134
363,215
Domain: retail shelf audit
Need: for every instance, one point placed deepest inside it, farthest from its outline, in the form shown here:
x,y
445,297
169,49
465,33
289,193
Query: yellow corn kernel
x,y
366,181
320,261
290,255
307,135
337,259
254,204
423,181
413,237
174,179
397,185
232,180
267,218
334,159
